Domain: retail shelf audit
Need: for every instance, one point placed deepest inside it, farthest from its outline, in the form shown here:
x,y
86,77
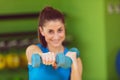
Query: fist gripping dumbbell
x,y
61,60
75,50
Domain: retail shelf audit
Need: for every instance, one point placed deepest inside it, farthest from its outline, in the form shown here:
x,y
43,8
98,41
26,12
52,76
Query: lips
x,y
55,42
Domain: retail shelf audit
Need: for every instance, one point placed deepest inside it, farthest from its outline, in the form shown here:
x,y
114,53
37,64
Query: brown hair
x,y
47,14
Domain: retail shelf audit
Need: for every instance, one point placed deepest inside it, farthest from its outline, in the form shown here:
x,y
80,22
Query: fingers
x,y
48,58
53,58
72,55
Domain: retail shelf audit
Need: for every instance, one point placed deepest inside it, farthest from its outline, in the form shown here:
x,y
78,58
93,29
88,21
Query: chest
x,y
48,73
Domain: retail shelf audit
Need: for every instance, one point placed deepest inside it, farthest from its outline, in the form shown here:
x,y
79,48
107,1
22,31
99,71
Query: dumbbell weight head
x,y
68,62
12,60
36,60
63,61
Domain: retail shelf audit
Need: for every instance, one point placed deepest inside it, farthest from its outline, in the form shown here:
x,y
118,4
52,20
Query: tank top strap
x,y
65,50
44,49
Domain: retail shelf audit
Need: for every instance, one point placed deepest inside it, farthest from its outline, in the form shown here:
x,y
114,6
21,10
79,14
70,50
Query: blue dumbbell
x,y
61,60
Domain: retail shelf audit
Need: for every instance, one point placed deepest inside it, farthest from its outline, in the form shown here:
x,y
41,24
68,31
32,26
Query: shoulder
x,y
34,46
43,49
31,47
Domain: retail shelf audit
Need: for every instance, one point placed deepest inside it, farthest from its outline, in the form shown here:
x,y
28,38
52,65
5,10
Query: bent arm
x,y
76,72
31,50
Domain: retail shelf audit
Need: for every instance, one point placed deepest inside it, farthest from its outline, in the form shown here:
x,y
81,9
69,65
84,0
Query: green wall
x,y
95,31
112,40
90,26
21,7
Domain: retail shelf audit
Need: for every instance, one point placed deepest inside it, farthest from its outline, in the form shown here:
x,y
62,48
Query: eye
x,y
50,31
60,30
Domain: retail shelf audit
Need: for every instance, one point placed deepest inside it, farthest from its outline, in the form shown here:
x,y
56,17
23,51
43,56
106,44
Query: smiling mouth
x,y
56,42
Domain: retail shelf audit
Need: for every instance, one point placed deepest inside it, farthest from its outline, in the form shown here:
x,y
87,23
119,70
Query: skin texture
x,y
54,33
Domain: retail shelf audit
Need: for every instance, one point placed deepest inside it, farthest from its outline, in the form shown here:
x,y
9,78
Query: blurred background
x,y
93,26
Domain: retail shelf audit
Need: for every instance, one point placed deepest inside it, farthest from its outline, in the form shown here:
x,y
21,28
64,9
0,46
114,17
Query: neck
x,y
56,49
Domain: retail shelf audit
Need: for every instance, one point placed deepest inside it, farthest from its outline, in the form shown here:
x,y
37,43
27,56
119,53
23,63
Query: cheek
x,y
47,37
62,35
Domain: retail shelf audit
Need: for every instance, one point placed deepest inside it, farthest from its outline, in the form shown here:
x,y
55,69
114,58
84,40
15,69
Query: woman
x,y
51,32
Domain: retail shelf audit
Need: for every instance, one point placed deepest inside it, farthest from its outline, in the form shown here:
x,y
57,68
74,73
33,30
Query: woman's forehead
x,y
53,24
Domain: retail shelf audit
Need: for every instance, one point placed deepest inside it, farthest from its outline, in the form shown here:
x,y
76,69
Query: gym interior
x,y
93,26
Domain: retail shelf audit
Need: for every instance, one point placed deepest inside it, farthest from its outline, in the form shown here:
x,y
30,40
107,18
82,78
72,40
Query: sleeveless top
x,y
47,72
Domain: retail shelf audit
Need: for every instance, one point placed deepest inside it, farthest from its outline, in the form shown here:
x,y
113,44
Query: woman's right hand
x,y
48,58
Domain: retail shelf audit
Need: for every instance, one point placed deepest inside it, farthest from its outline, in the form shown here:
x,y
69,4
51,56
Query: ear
x,y
41,31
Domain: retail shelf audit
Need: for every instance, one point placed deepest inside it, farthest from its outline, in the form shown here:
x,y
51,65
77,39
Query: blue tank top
x,y
47,72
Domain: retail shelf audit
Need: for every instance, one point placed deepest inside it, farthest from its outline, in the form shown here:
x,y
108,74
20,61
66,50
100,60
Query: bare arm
x,y
76,68
76,72
31,50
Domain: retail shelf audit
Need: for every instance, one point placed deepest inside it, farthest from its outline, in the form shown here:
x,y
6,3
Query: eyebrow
x,y
58,28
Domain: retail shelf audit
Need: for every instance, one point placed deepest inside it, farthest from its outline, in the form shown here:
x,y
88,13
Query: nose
x,y
56,36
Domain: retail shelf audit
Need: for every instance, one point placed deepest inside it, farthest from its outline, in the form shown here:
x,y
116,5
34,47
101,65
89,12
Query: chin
x,y
57,45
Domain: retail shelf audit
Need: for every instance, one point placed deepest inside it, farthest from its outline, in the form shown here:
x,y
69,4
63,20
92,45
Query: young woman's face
x,y
54,32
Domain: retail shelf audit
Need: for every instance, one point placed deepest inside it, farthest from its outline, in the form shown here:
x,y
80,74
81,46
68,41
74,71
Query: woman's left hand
x,y
72,55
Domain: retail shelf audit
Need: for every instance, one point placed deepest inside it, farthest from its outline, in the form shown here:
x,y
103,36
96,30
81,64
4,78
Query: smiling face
x,y
54,32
